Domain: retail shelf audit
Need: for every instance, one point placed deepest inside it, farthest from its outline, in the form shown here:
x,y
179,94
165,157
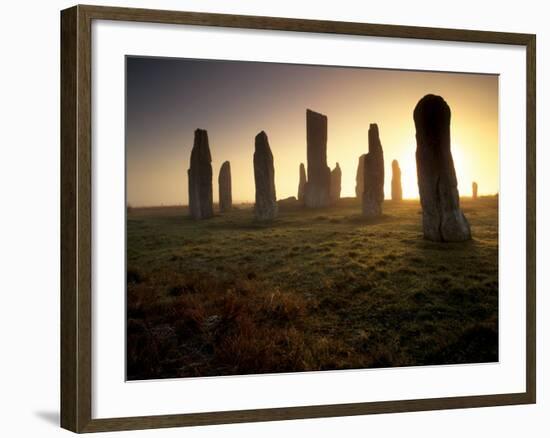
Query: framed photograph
x,y
269,218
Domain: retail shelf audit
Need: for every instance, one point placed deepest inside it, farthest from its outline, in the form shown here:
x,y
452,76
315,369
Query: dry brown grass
x,y
204,327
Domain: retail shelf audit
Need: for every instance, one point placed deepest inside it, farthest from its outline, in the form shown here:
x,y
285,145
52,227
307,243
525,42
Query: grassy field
x,y
314,290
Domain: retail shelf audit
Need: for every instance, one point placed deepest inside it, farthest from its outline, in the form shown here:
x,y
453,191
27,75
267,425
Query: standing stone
x,y
373,192
442,218
224,185
317,192
264,177
335,184
474,190
302,184
396,188
200,178
191,194
360,177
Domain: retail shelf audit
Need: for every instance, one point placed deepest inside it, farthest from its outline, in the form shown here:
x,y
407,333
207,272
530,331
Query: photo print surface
x,y
291,218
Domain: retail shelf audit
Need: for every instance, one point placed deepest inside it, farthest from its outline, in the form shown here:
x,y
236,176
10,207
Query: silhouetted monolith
x,y
396,188
335,184
442,218
264,177
302,183
224,184
360,177
200,178
474,190
317,192
373,192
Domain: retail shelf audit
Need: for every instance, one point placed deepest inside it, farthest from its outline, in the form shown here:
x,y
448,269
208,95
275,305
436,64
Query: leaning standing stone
x,y
373,192
442,218
335,184
317,192
302,184
474,190
224,185
396,188
264,177
200,178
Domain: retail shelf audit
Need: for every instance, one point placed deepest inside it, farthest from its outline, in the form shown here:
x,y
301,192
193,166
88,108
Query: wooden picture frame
x,y
76,218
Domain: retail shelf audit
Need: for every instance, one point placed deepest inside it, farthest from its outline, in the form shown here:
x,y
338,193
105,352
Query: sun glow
x,y
409,180
276,99
464,180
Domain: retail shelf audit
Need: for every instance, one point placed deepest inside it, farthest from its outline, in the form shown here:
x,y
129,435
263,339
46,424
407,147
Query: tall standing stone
x,y
224,185
317,192
373,192
442,218
474,190
335,184
302,184
360,177
200,178
396,188
264,177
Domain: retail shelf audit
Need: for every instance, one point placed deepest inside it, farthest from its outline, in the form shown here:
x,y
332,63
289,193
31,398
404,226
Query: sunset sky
x,y
167,99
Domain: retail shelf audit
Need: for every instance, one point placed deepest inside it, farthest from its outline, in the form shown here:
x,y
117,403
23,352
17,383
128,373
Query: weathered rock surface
x,y
474,190
265,207
224,185
200,178
373,191
442,218
302,183
317,189
360,177
335,184
289,203
396,188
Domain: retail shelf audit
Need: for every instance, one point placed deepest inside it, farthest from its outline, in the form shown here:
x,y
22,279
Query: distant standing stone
x,y
373,192
442,218
264,177
474,190
317,191
360,177
224,185
335,184
302,183
396,188
200,178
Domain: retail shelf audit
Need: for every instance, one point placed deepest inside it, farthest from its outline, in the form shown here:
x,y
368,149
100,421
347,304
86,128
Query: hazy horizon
x,y
168,98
